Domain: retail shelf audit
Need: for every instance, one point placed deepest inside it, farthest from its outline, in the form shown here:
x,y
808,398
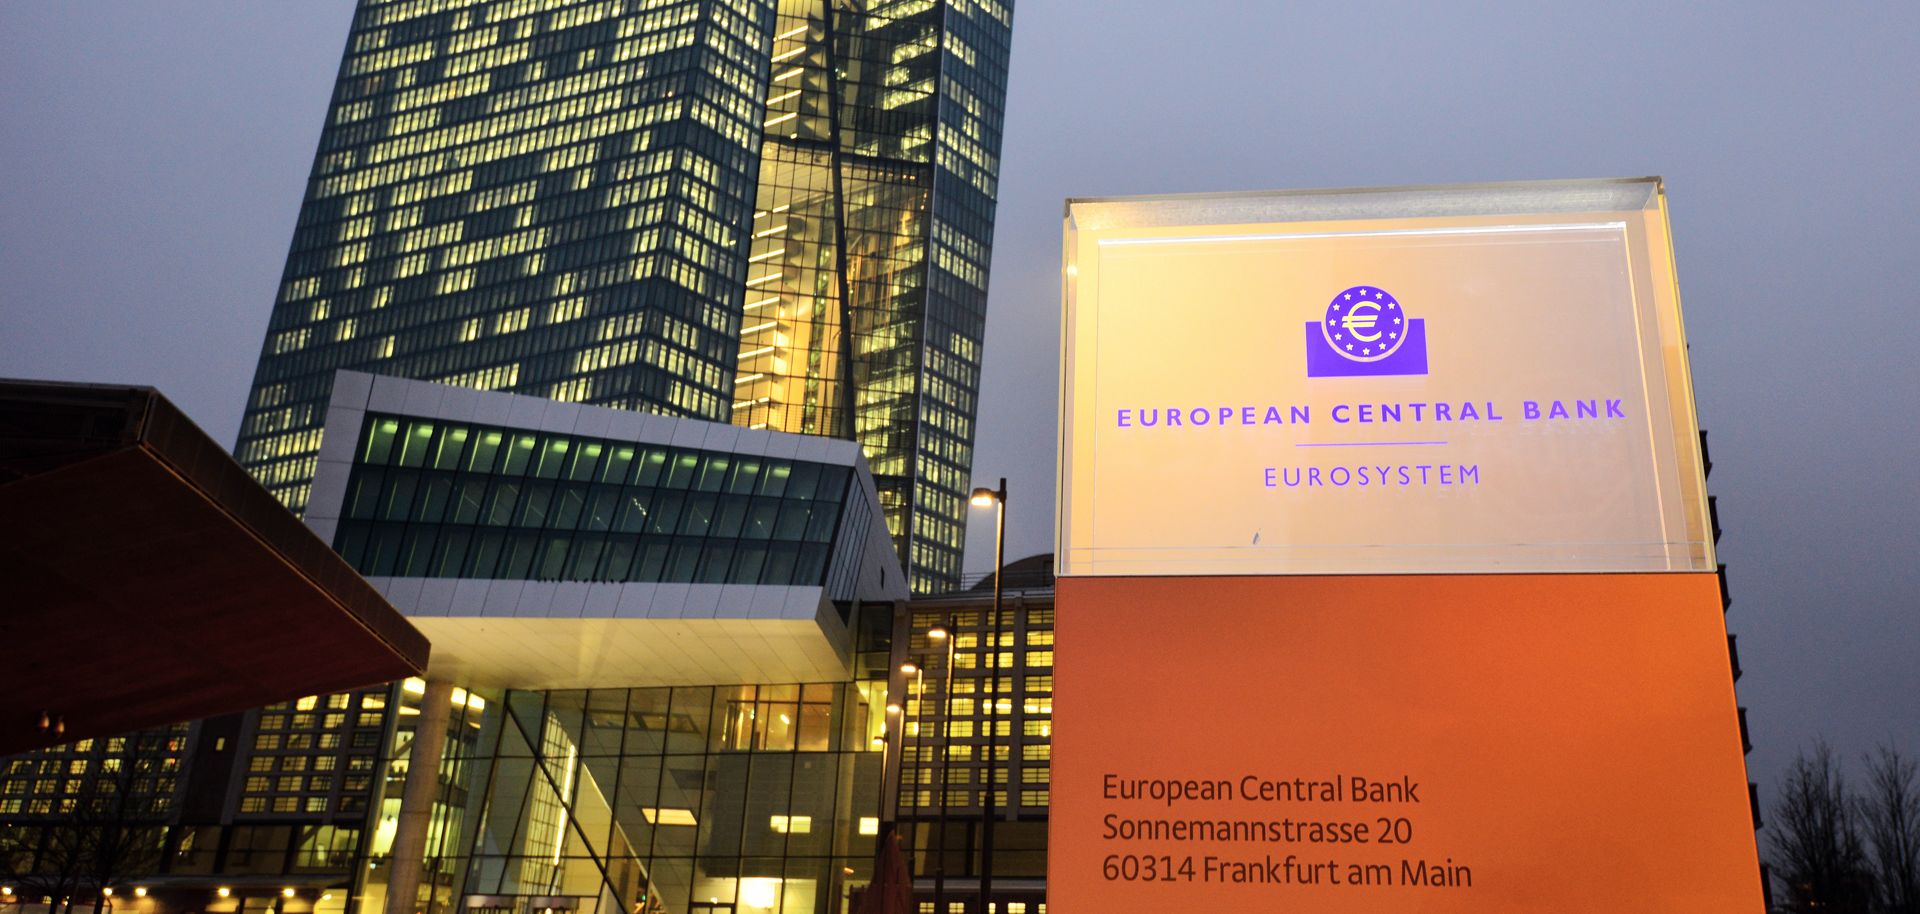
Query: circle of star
x,y
1372,340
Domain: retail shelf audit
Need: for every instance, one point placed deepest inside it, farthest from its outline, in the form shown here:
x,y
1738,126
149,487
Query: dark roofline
x,y
143,417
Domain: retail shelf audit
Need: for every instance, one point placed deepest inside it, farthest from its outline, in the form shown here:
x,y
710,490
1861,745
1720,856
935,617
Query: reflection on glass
x,y
613,799
510,522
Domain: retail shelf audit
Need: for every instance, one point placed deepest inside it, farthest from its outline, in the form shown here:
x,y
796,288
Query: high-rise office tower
x,y
866,281
772,212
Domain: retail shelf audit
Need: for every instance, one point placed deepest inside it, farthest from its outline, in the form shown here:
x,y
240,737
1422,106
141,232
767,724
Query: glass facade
x,y
992,731
777,212
866,281
774,212
672,799
437,499
542,196
314,755
137,774
703,799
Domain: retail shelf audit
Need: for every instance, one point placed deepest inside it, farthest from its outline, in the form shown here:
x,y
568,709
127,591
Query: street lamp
x,y
943,634
997,500
917,708
884,742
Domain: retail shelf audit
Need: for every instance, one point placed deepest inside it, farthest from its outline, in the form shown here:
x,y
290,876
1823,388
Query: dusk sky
x,y
154,157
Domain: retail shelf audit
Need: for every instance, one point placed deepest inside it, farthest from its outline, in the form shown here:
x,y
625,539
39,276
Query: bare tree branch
x,y
109,825
1890,807
1815,838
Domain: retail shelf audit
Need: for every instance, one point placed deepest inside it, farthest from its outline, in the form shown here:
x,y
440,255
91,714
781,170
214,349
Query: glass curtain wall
x,y
431,498
843,334
1002,684
743,799
472,724
542,196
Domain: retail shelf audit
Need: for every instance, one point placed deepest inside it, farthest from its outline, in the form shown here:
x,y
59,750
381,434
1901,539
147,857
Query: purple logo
x,y
1365,333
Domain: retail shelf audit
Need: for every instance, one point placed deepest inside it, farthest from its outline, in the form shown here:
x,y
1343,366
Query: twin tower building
x,y
776,214
732,257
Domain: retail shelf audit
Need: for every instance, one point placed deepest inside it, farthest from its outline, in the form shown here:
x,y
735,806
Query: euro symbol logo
x,y
1360,322
1364,324
1364,331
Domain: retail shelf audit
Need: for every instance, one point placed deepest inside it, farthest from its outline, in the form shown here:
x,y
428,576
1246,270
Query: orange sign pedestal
x,y
1445,743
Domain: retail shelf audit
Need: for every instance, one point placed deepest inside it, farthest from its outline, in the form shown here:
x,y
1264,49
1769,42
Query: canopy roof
x,y
148,579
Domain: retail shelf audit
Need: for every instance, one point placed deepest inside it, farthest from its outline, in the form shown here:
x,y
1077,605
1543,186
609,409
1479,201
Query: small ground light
x,y
107,891
139,891
286,893
223,891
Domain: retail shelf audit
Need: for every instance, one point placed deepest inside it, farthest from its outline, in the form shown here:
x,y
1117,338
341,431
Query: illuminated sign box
x,y
1385,561
1440,380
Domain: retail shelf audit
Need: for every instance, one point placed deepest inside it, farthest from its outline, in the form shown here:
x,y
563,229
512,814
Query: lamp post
x,y
917,712
889,733
884,742
943,633
996,499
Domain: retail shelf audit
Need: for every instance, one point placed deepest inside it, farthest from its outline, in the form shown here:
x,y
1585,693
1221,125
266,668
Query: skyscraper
x,y
771,212
866,285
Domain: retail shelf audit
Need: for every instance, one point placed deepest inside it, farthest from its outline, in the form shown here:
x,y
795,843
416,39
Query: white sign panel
x,y
1444,380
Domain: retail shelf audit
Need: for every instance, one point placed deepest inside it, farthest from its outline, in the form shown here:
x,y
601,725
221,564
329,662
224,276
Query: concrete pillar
x,y
408,856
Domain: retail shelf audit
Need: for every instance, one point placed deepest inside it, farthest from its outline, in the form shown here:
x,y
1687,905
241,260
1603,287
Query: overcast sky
x,y
153,156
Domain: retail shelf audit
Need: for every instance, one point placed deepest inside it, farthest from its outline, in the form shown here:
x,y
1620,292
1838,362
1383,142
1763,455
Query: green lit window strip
x,y
453,500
